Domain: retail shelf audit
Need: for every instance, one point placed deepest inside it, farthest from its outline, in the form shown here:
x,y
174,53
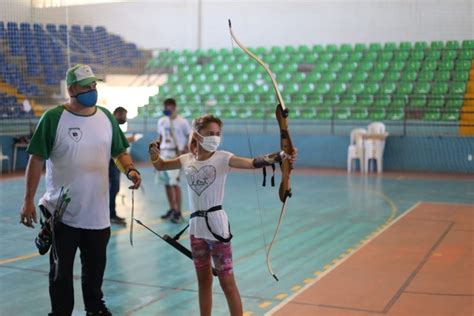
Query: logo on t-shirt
x,y
75,133
200,180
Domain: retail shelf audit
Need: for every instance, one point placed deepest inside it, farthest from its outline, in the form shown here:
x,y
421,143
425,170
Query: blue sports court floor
x,y
329,215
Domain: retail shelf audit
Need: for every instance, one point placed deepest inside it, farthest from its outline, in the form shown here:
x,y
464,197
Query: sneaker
x,y
168,214
103,312
118,220
44,240
177,218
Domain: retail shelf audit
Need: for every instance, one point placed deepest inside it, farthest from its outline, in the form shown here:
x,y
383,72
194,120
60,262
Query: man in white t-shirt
x,y
77,140
173,134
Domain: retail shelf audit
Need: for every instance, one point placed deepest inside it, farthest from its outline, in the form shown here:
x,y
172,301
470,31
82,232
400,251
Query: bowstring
x,y
259,207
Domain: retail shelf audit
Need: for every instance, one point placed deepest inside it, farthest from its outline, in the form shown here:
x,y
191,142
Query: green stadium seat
x,y
468,44
328,76
299,98
405,46
350,66
309,113
335,66
321,66
360,114
437,45
365,66
455,103
297,58
317,48
442,76
356,88
422,88
311,58
463,65
450,115
304,49
466,54
457,88
331,100
402,55
377,115
355,57
348,100
413,65
418,101
372,88
322,88
417,55
371,56
450,55
285,78
390,46
409,76
375,47
399,101
276,50
314,76
395,114
461,75
382,100
430,65
249,88
433,55
324,114
344,76
307,88
398,65
382,65
453,45
218,88
325,57
366,100
436,102
331,48
284,58
393,76
386,56
360,76
405,88
227,78
426,75
299,77
432,115
315,99
421,45
343,113
338,88
376,76
341,57
360,47
388,88
345,48
288,49
446,65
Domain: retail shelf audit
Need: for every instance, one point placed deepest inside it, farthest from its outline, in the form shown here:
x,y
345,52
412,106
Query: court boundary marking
x,y
338,263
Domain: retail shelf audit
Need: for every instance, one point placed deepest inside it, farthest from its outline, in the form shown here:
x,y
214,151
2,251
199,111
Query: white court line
x,y
289,298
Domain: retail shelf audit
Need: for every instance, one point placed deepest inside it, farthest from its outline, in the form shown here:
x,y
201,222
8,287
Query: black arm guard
x,y
266,160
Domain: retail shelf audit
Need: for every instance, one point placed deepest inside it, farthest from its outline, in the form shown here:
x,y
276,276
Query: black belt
x,y
201,213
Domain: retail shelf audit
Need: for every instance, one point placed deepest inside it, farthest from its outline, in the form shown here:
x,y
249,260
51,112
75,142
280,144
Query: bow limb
x,y
286,145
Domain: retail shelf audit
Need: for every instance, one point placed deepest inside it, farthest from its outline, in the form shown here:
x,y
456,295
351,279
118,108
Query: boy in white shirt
x,y
173,134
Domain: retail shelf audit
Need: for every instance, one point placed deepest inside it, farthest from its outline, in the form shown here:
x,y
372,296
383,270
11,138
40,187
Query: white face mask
x,y
210,143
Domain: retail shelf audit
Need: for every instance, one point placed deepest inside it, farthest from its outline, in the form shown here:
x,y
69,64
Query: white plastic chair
x,y
356,149
2,158
374,148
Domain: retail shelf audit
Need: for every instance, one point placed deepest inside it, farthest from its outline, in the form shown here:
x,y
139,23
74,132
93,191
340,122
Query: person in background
x,y
77,140
173,133
120,115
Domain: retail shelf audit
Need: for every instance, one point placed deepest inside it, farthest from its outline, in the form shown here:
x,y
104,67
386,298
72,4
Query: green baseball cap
x,y
81,74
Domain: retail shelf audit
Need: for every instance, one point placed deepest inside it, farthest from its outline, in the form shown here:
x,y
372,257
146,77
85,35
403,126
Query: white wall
x,y
173,23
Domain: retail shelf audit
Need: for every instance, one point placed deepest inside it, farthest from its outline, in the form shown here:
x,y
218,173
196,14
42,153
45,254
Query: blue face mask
x,y
167,112
88,98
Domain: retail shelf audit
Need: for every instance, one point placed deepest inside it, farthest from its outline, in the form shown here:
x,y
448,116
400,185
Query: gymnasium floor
x,y
332,255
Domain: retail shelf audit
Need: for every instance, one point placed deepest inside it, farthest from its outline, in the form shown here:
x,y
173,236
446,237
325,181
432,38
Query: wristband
x,y
130,170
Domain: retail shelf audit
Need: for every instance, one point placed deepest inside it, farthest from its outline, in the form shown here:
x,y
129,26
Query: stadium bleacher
x,y
390,81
